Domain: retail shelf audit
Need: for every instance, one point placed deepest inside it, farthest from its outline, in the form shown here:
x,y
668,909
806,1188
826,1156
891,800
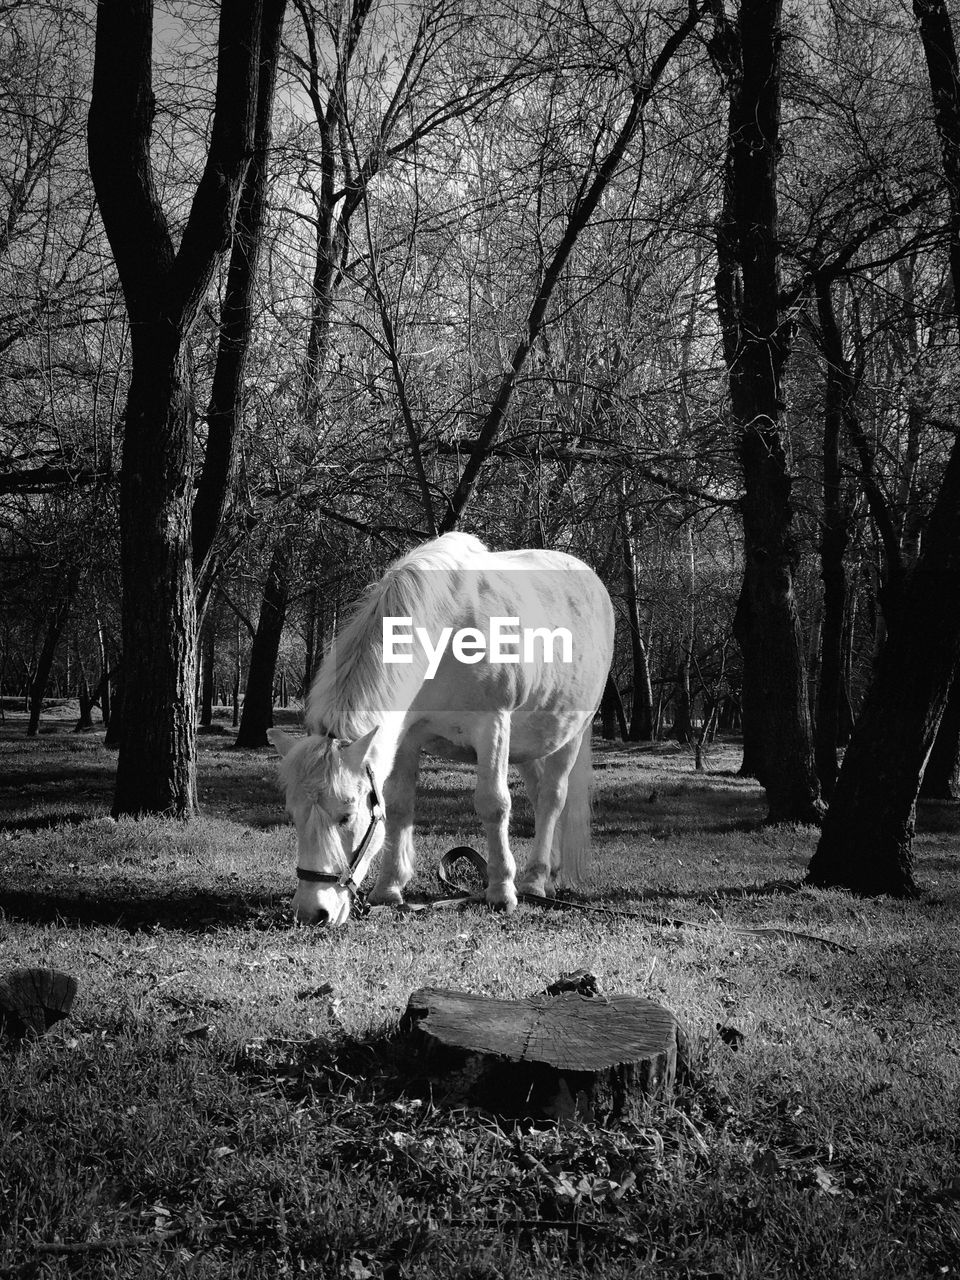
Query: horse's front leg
x,y
399,796
551,796
492,802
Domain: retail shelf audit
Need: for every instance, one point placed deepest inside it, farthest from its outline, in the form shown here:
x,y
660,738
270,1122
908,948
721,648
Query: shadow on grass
x,y
734,892
45,821
936,817
192,911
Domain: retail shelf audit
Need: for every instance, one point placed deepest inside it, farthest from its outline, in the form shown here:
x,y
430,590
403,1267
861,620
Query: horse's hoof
x,y
392,897
502,900
539,886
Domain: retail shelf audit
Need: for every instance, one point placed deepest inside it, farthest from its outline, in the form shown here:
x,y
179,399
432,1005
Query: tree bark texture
x,y
257,715
756,346
208,657
163,288
867,839
156,767
224,412
559,1057
834,539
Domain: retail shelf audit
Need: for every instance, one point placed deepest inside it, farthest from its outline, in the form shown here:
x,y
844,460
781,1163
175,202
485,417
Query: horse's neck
x,y
383,749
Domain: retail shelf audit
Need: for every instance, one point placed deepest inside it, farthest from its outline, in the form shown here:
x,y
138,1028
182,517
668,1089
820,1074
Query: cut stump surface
x,y
561,1057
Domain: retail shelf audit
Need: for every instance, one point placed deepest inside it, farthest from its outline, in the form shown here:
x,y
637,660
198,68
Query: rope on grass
x,y
464,897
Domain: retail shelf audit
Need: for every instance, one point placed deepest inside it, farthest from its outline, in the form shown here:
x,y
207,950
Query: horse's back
x,y
542,598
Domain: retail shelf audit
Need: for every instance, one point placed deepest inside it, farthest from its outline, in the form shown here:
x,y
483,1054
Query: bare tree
x,y
756,348
867,839
164,284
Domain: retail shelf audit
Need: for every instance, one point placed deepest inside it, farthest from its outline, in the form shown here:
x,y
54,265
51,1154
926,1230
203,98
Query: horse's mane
x,y
354,686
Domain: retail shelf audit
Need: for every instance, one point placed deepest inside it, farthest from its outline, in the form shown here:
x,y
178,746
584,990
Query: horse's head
x,y
334,801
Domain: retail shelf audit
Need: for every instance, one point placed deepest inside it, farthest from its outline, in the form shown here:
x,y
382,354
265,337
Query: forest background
x,y
287,288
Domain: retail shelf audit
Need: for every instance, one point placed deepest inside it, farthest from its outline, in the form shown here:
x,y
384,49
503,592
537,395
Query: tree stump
x,y
32,1000
557,1056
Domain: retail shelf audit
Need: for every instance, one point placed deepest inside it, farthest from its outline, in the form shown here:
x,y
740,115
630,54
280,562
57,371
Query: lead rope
x,y
465,897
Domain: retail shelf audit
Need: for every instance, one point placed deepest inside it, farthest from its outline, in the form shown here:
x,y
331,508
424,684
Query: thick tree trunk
x,y
257,715
164,285
834,538
755,346
156,770
941,777
867,839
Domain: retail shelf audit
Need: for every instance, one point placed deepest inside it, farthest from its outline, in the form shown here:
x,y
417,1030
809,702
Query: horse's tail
x,y
574,824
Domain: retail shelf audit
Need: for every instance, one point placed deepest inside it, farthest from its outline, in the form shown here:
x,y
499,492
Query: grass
x,y
228,1097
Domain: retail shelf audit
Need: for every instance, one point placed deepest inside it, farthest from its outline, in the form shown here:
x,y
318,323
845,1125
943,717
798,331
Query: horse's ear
x,y
355,755
282,740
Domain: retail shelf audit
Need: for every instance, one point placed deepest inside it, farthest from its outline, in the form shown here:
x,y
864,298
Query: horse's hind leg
x,y
551,796
492,802
399,795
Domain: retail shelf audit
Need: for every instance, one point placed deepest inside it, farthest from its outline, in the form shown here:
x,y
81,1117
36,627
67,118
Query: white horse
x,y
473,655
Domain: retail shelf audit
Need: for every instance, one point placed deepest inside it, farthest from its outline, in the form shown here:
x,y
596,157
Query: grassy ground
x,y
226,1098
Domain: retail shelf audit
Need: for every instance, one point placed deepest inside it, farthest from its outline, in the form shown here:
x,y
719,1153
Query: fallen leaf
x,y
824,1181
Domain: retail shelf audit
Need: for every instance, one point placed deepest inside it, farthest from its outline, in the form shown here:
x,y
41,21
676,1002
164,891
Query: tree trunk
x,y
756,349
225,410
48,651
612,718
867,839
237,680
112,736
163,285
257,715
156,769
641,710
751,765
312,640
103,685
941,777
84,696
208,656
834,538
682,728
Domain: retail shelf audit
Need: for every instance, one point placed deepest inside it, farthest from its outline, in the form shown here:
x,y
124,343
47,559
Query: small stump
x,y
561,1057
32,1000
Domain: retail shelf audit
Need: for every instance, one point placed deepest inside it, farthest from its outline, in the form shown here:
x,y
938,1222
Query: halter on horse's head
x,y
335,802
